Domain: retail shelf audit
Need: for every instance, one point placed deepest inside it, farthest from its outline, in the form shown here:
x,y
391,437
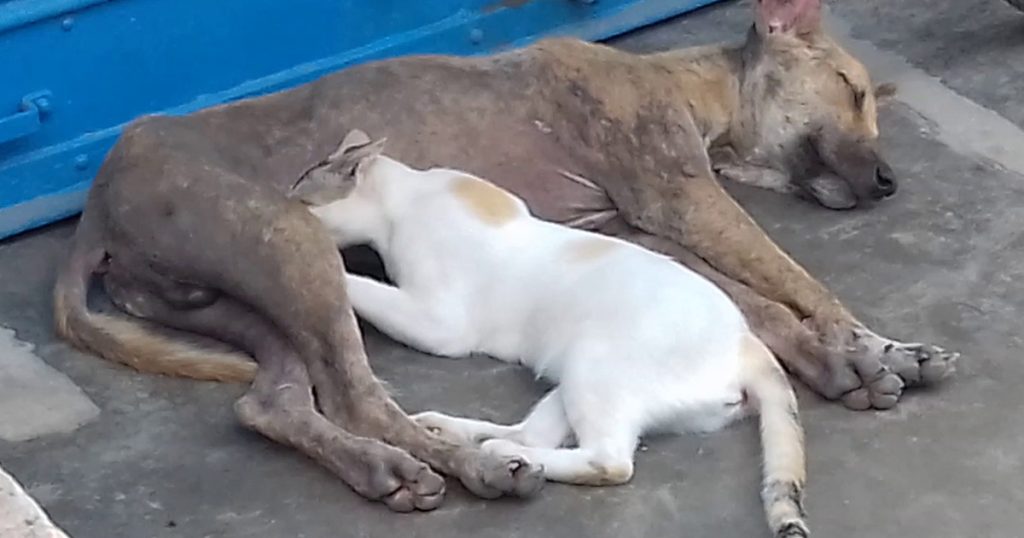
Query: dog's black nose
x,y
885,184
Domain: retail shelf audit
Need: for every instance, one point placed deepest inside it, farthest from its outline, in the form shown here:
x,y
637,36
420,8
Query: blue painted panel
x,y
74,71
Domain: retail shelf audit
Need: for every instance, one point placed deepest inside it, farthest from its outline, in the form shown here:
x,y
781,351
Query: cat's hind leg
x,y
606,461
545,427
607,441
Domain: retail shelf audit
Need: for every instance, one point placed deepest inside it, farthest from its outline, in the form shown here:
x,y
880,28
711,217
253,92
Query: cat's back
x,y
467,224
612,283
474,204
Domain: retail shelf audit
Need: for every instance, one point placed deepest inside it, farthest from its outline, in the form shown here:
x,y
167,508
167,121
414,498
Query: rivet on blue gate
x,y
42,103
476,35
81,161
67,24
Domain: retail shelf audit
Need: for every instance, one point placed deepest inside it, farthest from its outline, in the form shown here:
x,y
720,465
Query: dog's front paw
x,y
918,364
871,372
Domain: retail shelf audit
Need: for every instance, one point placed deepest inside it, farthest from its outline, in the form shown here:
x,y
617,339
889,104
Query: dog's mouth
x,y
830,191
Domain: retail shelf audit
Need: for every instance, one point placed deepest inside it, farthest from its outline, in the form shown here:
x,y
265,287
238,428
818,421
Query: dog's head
x,y
812,107
338,175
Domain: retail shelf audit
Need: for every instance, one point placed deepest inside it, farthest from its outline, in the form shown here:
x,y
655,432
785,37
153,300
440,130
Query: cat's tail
x,y
782,439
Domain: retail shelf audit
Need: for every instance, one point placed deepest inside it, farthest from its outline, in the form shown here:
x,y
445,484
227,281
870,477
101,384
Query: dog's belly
x,y
553,195
549,177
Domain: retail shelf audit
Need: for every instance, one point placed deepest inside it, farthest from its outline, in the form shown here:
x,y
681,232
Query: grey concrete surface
x,y
942,262
37,399
975,46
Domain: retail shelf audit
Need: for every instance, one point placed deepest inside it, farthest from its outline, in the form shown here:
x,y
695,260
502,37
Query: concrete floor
x,y
942,262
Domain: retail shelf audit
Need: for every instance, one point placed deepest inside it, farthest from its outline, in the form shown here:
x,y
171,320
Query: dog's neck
x,y
721,103
709,79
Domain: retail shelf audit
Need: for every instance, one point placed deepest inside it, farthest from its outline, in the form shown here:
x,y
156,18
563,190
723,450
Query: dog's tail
x,y
126,340
782,440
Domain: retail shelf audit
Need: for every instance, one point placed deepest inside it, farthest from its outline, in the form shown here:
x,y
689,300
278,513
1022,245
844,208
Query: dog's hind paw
x,y
395,478
418,488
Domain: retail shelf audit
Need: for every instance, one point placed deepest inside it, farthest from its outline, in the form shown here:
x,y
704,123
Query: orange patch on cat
x,y
488,203
589,249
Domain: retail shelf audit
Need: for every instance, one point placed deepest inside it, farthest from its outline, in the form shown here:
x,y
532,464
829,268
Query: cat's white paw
x,y
442,426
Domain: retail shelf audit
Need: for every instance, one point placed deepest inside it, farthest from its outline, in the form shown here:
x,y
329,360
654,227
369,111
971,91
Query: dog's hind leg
x,y
274,256
280,403
208,225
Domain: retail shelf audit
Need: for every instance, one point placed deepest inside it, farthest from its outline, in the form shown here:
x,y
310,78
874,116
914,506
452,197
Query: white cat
x,y
634,341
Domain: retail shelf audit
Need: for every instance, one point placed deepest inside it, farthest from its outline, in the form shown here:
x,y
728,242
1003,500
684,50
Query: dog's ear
x,y
885,92
796,17
335,177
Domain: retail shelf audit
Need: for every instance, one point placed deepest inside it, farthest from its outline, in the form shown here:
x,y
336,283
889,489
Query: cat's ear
x,y
336,176
354,139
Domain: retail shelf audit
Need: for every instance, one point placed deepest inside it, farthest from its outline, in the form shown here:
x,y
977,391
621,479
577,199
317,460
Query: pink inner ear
x,y
778,16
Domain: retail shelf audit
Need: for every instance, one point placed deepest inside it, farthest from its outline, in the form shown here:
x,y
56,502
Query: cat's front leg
x,y
406,318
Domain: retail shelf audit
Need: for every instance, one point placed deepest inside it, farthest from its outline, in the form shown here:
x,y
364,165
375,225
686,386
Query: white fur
x,y
634,341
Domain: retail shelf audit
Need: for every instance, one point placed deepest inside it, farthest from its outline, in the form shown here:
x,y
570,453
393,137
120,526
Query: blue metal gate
x,y
72,72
